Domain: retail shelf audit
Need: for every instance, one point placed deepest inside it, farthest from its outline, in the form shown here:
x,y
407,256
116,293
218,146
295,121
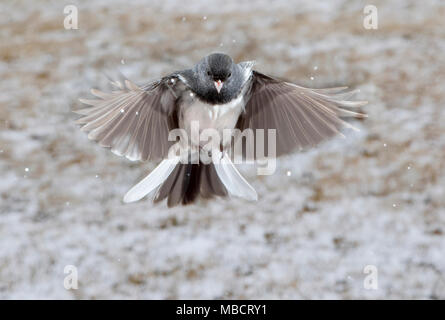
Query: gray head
x,y
216,79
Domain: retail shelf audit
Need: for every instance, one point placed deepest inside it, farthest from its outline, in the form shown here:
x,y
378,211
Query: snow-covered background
x,y
376,198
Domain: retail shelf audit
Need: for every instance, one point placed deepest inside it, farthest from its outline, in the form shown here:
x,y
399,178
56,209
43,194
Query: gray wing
x,y
302,117
133,121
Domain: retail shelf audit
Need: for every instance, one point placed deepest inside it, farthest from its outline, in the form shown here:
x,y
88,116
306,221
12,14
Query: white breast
x,y
219,116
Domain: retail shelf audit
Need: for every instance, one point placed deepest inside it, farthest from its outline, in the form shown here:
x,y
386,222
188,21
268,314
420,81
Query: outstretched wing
x,y
302,117
133,121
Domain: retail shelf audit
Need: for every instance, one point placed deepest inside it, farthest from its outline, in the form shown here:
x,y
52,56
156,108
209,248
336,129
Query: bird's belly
x,y
206,116
211,120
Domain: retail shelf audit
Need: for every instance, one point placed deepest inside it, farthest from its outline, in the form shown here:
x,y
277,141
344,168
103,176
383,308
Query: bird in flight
x,y
135,122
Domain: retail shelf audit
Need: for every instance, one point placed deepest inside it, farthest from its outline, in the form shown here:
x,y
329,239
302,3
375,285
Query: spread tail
x,y
183,183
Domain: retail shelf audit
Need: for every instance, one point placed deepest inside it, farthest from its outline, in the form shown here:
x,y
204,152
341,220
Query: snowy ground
x,y
376,198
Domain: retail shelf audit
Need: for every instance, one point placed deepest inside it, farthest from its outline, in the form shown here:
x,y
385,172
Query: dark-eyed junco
x,y
217,94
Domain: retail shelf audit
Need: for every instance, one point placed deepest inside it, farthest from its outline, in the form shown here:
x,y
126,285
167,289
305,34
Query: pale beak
x,y
218,85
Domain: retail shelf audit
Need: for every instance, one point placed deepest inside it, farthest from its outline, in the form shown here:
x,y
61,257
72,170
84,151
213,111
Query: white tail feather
x,y
152,181
234,182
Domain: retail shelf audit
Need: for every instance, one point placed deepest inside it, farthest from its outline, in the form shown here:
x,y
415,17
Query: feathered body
x,y
217,94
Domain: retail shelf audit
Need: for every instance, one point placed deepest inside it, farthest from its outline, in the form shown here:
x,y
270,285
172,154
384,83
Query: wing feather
x,y
133,121
302,117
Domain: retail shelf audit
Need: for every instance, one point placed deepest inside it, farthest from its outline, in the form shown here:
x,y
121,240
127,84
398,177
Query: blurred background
x,y
376,198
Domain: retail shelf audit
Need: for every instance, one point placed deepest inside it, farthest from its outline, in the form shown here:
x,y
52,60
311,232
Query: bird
x,y
219,94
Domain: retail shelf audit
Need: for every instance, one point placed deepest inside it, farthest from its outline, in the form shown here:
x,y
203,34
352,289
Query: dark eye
x,y
208,73
229,75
